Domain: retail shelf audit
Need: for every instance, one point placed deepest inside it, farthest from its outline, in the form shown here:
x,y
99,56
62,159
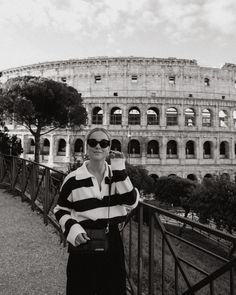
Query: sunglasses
x,y
104,143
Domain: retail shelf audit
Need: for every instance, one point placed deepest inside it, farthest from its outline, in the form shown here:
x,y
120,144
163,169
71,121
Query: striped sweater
x,y
82,204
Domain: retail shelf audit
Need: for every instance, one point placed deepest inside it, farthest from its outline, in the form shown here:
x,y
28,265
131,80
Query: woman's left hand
x,y
116,155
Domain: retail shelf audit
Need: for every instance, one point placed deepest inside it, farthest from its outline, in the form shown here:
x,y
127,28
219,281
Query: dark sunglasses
x,y
103,143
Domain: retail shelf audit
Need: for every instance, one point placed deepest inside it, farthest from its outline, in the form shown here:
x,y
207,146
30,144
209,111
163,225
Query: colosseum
x,y
169,115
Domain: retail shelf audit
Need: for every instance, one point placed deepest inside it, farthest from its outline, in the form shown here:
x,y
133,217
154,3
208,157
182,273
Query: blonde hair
x,y
98,129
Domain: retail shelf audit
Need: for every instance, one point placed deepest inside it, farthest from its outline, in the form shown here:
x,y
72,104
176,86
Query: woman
x,y
83,203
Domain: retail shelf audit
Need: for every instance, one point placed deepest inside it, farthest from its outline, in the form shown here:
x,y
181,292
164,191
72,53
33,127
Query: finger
x,y
86,237
80,239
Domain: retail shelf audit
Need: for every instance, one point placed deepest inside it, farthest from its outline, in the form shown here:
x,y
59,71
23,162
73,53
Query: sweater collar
x,y
82,172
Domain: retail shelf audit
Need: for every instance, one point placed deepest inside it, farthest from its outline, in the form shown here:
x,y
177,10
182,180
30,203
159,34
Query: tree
x,y
216,200
140,178
41,105
176,190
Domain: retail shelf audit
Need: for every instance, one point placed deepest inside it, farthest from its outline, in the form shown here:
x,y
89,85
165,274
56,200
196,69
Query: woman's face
x,y
97,152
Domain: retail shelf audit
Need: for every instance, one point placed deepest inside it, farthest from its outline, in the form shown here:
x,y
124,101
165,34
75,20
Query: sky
x,y
33,31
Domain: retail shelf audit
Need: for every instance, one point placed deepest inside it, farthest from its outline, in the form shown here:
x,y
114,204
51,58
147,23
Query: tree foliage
x,y
140,178
176,190
215,200
41,105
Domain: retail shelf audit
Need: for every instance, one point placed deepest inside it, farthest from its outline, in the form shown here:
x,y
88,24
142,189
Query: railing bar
x,y
163,266
151,254
193,266
39,184
140,244
160,211
176,280
27,180
211,277
171,248
212,289
197,247
130,281
130,247
231,281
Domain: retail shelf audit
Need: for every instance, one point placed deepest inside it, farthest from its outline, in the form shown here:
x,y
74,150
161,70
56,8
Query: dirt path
x,y
32,260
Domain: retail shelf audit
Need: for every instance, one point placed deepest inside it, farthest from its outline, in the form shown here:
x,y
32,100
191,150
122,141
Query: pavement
x,y
32,260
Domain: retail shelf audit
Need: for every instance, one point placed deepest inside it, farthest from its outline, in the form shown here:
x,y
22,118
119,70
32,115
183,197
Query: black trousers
x,y
101,273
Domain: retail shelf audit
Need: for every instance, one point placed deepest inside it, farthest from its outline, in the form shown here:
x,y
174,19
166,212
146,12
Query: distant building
x,y
169,115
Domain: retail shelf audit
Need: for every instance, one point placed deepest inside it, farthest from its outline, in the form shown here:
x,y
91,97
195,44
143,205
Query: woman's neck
x,y
96,167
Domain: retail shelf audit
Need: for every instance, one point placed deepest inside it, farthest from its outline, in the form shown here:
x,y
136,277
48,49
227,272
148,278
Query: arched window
x,y
79,146
153,116
189,117
154,176
207,147
116,116
134,116
223,119
31,146
208,175
97,116
153,148
192,177
189,150
224,150
134,148
116,145
61,147
171,149
206,118
171,117
46,147
234,118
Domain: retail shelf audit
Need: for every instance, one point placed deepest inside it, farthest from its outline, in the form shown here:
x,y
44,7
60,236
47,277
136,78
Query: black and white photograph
x,y
118,147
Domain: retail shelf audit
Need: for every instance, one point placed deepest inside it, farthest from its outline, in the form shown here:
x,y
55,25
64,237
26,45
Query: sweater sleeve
x,y
70,227
128,193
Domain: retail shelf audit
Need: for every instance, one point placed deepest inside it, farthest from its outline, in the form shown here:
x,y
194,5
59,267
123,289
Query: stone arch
x,y
153,148
31,146
134,116
61,151
116,116
207,150
224,150
97,116
189,117
154,176
134,147
153,116
115,145
172,149
46,146
171,116
78,146
192,177
190,149
207,118
223,119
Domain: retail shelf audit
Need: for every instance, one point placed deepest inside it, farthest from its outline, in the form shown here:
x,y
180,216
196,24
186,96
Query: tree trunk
x,y
37,147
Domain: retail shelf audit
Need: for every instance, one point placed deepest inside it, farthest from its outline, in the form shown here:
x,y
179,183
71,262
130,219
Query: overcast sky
x,y
33,31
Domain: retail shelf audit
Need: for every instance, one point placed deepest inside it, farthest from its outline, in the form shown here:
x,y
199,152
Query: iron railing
x,y
165,253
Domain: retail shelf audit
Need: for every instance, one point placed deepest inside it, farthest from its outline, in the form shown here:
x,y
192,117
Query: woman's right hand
x,y
81,239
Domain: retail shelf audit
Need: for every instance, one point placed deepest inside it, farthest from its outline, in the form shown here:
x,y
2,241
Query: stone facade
x,y
169,115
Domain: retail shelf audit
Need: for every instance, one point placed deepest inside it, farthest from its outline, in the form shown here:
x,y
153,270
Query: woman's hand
x,y
116,155
81,239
